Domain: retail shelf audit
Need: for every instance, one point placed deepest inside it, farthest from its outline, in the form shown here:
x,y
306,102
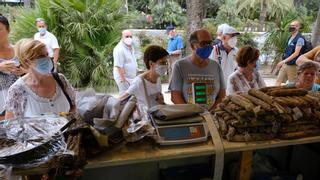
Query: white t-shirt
x,y
137,89
226,60
124,58
49,40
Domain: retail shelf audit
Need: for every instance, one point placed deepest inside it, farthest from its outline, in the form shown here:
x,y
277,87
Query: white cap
x,y
221,27
230,30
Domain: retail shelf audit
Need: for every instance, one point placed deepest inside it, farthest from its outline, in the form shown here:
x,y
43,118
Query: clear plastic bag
x,y
29,142
5,172
138,125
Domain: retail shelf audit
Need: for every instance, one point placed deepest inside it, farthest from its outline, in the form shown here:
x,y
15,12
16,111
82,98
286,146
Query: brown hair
x,y
246,55
4,21
28,49
153,53
307,65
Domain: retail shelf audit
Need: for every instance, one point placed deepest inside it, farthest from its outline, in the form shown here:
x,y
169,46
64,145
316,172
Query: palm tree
x,y
195,9
87,32
268,8
316,30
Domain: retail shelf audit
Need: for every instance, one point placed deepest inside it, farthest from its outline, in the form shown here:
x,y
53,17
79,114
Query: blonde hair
x,y
28,49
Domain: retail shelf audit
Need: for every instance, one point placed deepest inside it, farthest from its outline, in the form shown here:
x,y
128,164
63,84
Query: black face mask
x,y
291,29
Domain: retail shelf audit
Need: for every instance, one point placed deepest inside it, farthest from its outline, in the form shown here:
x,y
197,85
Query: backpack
x,y
307,46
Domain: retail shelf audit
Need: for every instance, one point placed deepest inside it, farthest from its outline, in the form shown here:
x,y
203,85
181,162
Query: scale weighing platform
x,y
181,133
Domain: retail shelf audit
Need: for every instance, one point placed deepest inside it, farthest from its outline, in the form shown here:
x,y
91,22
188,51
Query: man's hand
x,y
280,64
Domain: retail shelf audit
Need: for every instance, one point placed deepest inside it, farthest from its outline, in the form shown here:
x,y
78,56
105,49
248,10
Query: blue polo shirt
x,y
315,87
175,43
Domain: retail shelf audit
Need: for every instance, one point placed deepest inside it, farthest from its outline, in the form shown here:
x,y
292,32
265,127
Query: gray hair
x,y
307,65
40,20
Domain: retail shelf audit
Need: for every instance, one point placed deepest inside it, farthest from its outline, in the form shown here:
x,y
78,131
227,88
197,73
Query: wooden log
x,y
256,101
289,92
261,95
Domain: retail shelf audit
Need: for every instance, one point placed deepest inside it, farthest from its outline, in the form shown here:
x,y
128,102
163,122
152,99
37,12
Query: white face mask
x,y
232,42
128,41
160,69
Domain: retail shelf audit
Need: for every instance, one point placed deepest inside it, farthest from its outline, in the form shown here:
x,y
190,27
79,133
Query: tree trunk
x,y
316,30
263,15
194,17
27,4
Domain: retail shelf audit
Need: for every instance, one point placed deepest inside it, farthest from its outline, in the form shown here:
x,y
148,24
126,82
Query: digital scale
x,y
181,133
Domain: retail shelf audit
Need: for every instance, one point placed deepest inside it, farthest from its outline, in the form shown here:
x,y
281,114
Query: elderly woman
x,y
9,67
306,75
147,86
246,77
38,91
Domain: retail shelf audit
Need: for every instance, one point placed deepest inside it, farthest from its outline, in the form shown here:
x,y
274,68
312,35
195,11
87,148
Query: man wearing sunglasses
x,y
125,63
196,79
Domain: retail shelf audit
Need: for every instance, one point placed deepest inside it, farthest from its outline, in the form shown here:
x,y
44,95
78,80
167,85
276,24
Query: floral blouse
x,y
18,94
6,78
238,83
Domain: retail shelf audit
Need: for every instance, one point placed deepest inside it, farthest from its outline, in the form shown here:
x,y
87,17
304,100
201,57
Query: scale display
x,y
182,132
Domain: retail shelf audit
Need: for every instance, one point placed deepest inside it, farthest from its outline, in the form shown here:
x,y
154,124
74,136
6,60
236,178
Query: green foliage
x,y
246,39
227,14
277,41
87,32
275,9
137,20
210,25
167,13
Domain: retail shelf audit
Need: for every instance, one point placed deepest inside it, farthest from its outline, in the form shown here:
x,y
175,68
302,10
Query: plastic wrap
x,y
91,105
5,172
138,126
29,142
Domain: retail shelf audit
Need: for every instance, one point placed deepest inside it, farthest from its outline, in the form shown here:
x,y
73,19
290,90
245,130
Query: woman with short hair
x,y
147,86
245,77
38,92
306,75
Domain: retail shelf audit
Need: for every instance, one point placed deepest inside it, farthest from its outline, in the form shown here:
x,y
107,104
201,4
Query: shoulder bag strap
x,y
145,91
58,80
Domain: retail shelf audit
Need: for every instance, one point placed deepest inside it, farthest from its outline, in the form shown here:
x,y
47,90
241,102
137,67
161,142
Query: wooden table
x,y
148,152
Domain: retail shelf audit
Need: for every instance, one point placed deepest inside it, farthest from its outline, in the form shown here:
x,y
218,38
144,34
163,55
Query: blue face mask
x,y
44,65
204,52
42,30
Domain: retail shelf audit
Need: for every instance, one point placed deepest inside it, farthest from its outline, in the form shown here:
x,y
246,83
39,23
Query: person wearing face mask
x,y
245,77
225,53
50,40
198,72
295,47
124,62
147,86
37,92
9,67
175,46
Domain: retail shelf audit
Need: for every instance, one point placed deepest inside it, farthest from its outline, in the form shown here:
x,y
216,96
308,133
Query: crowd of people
x,y
30,85
223,69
